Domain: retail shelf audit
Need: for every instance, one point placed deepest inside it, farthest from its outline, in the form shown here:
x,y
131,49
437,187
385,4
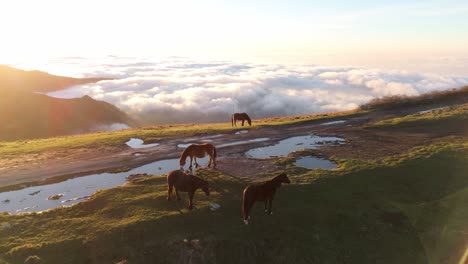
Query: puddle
x,y
432,109
235,143
138,143
241,132
314,163
333,123
75,190
286,146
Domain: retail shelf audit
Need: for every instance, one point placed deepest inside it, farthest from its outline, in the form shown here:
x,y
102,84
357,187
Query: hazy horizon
x,y
202,60
423,37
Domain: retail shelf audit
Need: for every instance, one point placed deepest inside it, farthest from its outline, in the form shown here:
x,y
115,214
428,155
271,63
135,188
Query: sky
x,y
422,36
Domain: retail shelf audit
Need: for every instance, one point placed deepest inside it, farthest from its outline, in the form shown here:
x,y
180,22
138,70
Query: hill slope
x,y
25,114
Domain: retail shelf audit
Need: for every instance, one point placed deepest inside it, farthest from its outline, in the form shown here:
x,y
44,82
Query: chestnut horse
x,y
198,151
242,117
261,192
185,183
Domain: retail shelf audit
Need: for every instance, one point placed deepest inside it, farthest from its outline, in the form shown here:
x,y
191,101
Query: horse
x,y
198,151
261,192
185,183
242,117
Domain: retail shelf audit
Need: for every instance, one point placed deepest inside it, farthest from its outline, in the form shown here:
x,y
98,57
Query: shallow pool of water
x,y
33,199
432,109
241,132
138,143
333,123
314,163
242,142
286,146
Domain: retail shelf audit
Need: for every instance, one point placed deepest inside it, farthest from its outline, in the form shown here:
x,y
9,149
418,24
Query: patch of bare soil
x,y
244,167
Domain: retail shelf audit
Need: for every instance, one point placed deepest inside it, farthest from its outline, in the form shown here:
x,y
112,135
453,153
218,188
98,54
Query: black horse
x,y
261,192
242,117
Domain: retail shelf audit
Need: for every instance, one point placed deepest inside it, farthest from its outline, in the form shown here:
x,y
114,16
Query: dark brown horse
x,y
242,117
195,151
261,192
185,183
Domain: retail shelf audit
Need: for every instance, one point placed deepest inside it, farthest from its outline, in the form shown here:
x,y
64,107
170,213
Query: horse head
x,y
283,178
182,164
204,185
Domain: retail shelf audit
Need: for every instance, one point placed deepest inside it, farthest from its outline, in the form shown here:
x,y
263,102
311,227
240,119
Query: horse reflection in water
x,y
185,183
242,117
195,151
261,192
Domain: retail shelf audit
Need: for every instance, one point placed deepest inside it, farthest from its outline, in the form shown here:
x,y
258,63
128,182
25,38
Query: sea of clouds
x,y
180,90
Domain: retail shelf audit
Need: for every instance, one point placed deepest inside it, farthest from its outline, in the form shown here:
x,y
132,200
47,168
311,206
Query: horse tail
x,y
214,152
246,203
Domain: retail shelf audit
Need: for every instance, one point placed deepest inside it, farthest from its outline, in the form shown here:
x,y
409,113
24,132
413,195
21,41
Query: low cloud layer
x,y
179,90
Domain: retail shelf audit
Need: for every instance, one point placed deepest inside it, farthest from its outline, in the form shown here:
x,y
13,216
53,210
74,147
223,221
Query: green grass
x,y
449,120
452,96
410,208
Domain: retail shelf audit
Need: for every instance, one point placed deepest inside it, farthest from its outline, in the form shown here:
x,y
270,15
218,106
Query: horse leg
x,y
191,200
196,163
269,206
247,205
169,192
177,194
191,158
266,206
243,122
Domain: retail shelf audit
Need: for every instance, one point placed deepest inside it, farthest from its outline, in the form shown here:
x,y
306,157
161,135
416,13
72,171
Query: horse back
x,y
183,182
259,192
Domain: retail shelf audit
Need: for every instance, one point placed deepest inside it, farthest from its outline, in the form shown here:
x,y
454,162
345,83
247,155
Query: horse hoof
x,y
246,222
271,213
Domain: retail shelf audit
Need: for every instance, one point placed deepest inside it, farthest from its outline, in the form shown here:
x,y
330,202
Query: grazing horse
x,y
242,117
185,183
261,192
198,151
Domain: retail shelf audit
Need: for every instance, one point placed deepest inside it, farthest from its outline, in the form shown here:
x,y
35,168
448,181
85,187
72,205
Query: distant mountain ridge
x,y
37,81
26,114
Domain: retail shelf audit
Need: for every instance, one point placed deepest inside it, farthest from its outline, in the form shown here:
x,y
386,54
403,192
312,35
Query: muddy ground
x,y
360,143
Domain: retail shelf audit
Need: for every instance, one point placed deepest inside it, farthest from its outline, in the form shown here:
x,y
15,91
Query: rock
x,y
6,201
132,177
55,196
214,207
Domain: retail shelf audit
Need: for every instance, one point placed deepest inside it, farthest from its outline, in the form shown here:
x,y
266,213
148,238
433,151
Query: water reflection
x,y
286,146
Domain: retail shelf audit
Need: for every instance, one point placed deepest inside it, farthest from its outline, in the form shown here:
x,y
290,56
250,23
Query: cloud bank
x,y
179,90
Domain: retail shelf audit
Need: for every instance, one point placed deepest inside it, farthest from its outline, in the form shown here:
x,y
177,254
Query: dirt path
x,y
360,143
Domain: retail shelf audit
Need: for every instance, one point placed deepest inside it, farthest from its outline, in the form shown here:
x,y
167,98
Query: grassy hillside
x,y
453,96
360,213
452,120
25,114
